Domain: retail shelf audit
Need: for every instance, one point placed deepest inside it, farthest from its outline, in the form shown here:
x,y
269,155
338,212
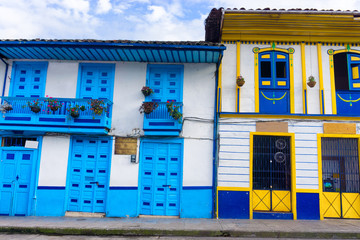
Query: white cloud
x,y
46,19
103,6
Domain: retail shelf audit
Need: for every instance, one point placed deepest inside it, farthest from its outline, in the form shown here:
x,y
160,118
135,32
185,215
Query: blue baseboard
x,y
272,215
233,204
307,206
122,202
196,202
50,201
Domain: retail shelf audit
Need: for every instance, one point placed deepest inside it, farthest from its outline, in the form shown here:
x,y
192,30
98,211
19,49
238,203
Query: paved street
x,y
71,237
152,228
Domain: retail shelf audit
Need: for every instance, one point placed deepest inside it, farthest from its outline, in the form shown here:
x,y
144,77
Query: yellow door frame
x,y
331,54
319,137
292,163
289,51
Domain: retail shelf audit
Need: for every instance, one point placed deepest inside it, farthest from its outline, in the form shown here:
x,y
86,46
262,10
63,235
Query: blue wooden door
x,y
166,82
88,174
160,178
28,79
274,82
16,170
96,81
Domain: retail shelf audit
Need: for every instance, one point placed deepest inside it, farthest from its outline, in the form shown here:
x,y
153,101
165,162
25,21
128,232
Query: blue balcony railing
x,y
159,122
21,117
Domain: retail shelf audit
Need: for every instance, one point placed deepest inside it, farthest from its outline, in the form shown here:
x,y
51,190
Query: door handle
x,y
97,183
167,186
17,177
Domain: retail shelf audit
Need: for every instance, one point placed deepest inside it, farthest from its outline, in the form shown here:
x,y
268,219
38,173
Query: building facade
x,y
74,141
287,149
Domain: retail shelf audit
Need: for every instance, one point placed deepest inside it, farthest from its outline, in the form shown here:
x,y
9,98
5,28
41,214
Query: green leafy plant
x,y
148,107
35,106
75,110
311,81
174,110
97,106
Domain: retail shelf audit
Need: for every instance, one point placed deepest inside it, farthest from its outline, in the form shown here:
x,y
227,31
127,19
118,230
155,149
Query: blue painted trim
x,y
272,215
305,96
5,76
123,188
161,124
51,119
289,115
51,188
18,118
197,188
87,120
54,126
323,104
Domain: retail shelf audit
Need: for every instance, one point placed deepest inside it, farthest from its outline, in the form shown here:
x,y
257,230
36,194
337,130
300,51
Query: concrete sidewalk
x,y
331,228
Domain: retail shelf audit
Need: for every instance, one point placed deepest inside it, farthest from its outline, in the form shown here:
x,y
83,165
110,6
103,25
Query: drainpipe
x,y
6,72
215,147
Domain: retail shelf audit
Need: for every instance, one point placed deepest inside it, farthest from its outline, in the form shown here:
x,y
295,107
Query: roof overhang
x,y
122,50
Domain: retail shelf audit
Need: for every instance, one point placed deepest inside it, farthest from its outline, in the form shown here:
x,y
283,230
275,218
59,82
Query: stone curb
x,y
179,233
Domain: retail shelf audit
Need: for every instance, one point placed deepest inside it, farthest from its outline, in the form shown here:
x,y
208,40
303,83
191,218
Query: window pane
x,y
280,69
265,68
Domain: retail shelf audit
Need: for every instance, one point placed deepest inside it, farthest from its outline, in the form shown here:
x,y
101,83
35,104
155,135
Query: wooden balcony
x,y
22,118
160,123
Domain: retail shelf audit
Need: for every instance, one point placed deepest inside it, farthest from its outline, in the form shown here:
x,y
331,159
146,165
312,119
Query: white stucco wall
x,y
54,160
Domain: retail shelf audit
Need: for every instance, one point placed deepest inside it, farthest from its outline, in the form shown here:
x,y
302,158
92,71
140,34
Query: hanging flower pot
x,y
240,81
75,114
311,82
146,91
35,109
148,107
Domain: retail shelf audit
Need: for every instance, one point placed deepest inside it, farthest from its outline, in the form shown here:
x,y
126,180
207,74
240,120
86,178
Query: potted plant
x,y
174,110
5,107
53,104
311,81
147,91
148,107
97,106
35,106
240,81
75,111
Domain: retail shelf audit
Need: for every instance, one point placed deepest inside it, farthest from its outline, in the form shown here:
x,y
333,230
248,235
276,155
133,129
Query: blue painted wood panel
x,y
16,175
96,81
233,204
348,103
274,82
160,178
307,206
88,174
28,79
353,61
166,81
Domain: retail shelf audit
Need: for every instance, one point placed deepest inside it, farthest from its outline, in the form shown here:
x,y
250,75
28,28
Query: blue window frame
x,y
347,83
274,82
28,79
96,81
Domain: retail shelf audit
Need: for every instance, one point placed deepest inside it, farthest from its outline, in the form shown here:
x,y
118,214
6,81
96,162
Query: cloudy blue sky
x,y
128,19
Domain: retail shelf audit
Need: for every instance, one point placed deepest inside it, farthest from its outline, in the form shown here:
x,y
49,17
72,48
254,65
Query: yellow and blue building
x,y
287,149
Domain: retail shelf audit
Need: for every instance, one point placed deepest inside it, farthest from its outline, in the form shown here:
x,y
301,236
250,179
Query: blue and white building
x,y
114,161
